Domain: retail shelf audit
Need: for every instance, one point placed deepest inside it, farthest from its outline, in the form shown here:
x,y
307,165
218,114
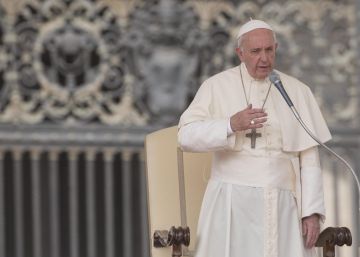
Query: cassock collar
x,y
248,77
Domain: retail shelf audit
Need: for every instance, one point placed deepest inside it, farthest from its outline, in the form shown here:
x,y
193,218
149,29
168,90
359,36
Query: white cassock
x,y
255,197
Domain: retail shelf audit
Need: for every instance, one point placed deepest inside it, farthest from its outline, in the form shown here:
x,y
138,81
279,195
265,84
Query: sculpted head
x,y
256,48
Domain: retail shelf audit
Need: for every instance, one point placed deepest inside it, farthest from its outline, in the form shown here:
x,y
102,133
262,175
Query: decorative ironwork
x,y
73,62
165,50
70,67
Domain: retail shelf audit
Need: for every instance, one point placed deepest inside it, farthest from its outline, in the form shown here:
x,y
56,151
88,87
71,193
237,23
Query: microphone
x,y
275,79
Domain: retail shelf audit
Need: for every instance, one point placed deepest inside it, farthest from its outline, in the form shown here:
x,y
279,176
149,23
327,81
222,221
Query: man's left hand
x,y
311,229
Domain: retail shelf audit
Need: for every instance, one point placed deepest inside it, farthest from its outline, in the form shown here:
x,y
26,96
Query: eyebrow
x,y
259,48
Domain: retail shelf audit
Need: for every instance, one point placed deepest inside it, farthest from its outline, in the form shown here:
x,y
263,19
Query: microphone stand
x,y
297,116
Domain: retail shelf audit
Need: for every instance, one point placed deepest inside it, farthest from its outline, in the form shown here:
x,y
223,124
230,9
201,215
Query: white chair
x,y
176,184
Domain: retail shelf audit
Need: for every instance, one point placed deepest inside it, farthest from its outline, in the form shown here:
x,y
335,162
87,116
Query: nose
x,y
263,56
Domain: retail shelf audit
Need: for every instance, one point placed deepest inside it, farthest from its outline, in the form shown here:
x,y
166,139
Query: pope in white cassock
x,y
265,194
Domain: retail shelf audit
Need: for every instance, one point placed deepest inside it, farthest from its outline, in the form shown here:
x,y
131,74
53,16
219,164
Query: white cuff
x,y
312,192
204,136
229,129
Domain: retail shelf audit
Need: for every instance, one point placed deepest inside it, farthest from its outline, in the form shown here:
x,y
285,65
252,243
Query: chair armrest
x,y
330,237
175,237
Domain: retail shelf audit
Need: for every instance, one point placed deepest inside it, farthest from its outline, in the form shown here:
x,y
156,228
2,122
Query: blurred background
x,y
83,81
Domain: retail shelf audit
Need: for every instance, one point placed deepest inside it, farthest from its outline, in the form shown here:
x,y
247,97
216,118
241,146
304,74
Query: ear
x,y
240,53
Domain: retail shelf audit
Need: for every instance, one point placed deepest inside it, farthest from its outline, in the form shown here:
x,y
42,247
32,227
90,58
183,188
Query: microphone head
x,y
274,77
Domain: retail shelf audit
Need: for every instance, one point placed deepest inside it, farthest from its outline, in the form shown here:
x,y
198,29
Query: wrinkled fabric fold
x,y
267,218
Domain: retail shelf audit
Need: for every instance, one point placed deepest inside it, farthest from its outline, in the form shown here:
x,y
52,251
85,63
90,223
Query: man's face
x,y
257,51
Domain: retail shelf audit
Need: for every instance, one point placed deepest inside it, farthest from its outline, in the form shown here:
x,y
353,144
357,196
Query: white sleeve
x,y
229,129
199,129
311,183
206,136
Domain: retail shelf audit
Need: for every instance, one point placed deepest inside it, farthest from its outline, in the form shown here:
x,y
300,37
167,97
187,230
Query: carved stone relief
x,y
70,66
166,54
140,62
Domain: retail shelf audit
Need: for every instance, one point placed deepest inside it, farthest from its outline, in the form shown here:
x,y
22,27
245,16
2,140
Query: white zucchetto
x,y
251,25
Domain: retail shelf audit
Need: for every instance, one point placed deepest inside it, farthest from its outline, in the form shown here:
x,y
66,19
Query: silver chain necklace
x,y
248,99
253,134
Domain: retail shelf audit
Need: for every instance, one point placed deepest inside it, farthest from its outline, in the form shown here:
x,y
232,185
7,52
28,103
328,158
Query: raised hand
x,y
249,118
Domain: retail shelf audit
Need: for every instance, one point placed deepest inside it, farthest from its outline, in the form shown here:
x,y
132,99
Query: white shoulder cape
x,y
221,96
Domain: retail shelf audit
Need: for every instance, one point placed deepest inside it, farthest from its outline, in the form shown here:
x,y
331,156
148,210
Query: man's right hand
x,y
249,118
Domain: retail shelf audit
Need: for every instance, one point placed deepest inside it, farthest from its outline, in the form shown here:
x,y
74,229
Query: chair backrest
x,y
176,183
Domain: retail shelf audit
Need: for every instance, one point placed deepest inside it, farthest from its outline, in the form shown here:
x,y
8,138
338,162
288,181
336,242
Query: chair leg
x,y
176,251
329,250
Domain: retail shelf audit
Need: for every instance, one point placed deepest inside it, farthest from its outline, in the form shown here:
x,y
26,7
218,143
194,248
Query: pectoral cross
x,y
253,135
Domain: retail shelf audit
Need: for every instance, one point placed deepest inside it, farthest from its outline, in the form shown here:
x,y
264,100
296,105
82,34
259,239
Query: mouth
x,y
263,71
263,67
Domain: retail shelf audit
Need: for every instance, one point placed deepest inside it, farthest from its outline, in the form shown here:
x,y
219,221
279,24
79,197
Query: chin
x,y
263,75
